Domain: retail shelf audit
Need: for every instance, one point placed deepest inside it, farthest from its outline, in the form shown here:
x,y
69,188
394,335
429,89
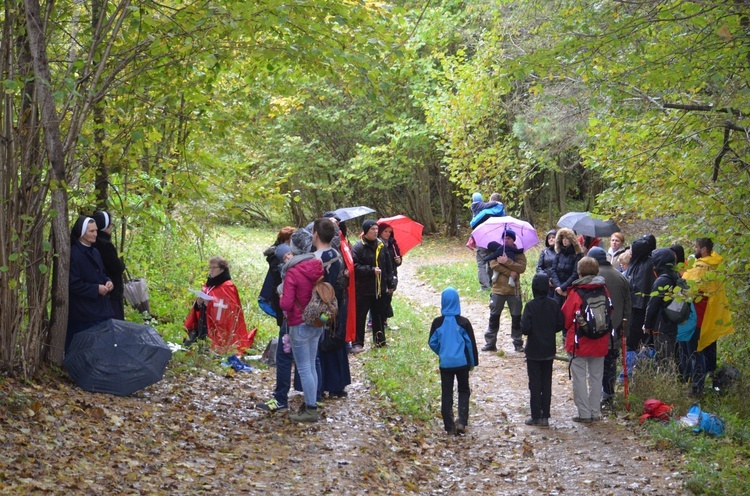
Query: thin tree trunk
x,y
59,197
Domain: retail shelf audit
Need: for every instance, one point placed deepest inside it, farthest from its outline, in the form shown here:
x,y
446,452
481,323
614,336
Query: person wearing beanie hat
x,y
476,197
114,267
367,225
506,288
619,295
499,250
89,287
281,252
598,254
372,273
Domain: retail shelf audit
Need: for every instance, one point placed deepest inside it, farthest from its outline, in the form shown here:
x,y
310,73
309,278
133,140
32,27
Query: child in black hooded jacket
x,y
541,320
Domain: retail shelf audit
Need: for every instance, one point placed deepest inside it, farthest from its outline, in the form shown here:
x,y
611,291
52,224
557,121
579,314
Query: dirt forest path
x,y
501,455
200,433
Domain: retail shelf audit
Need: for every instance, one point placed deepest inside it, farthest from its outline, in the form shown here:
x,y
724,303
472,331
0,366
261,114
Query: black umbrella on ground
x,y
117,357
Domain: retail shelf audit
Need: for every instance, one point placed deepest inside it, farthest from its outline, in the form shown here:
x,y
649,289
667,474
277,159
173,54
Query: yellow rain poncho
x,y
717,321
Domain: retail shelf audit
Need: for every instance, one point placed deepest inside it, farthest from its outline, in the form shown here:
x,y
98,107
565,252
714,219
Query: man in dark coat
x,y
373,270
113,264
619,294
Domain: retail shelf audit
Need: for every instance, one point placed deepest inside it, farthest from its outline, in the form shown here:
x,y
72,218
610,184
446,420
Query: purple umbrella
x,y
493,228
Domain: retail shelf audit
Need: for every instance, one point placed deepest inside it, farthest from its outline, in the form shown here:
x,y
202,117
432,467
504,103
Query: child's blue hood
x,y
449,302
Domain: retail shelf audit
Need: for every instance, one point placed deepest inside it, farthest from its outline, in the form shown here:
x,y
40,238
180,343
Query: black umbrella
x,y
347,213
583,223
117,357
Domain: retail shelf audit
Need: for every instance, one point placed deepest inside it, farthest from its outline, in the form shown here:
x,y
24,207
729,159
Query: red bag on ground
x,y
656,410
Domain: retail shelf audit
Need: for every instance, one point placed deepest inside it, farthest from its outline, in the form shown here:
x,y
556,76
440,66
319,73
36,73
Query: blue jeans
x,y
305,348
284,363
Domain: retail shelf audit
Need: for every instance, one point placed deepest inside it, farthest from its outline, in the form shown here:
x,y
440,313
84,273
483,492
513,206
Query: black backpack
x,y
678,310
594,319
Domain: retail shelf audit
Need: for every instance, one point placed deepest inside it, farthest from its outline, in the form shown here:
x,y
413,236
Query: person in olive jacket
x,y
541,320
372,269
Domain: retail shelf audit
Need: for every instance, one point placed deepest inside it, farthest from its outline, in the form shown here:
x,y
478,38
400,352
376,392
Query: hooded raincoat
x,y
452,337
717,319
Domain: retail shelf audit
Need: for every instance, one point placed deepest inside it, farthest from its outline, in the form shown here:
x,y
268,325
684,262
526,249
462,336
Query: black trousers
x,y
636,336
446,398
377,307
610,370
540,387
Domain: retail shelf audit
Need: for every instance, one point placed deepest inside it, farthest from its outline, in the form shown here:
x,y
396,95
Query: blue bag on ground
x,y
706,422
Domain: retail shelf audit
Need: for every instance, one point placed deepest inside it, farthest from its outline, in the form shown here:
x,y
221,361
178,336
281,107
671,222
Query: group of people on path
x,y
577,288
638,282
363,278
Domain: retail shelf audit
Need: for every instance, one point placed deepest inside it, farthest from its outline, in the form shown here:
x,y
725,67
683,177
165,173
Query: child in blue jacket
x,y
452,338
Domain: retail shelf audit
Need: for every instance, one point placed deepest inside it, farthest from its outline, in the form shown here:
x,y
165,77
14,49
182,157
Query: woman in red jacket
x,y
586,355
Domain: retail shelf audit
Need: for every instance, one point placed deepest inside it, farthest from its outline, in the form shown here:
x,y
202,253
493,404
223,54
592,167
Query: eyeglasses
x,y
211,267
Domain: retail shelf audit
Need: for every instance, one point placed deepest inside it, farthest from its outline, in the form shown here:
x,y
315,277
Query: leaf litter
x,y
202,435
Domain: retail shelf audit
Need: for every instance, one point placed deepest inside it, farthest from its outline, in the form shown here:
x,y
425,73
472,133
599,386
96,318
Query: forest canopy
x,y
178,115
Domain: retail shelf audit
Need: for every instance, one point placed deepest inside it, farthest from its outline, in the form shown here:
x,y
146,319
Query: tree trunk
x,y
59,204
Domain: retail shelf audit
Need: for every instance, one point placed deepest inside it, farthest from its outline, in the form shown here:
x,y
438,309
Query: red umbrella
x,y
406,232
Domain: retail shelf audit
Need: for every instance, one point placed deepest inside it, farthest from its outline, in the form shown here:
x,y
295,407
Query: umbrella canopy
x,y
136,294
117,357
583,223
406,232
493,228
346,213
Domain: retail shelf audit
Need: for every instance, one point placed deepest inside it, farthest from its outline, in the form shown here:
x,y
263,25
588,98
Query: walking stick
x,y
625,366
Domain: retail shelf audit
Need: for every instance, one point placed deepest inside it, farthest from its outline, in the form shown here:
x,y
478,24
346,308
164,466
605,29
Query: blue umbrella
x,y
346,213
117,357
